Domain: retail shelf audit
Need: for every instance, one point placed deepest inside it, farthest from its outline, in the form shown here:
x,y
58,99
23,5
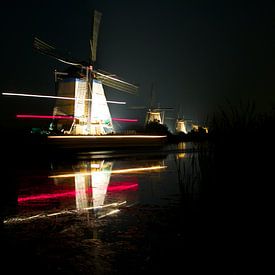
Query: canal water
x,y
113,212
99,183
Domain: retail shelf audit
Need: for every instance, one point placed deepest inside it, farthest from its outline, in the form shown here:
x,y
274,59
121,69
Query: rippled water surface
x,y
120,212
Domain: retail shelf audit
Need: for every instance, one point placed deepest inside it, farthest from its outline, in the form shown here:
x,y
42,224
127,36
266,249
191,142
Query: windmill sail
x,y
93,42
108,80
117,83
46,49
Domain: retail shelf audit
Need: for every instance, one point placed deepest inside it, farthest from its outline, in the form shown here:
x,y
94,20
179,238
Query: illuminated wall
x,y
72,88
100,117
180,126
153,117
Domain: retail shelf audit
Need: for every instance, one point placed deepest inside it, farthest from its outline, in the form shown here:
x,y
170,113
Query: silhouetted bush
x,y
156,128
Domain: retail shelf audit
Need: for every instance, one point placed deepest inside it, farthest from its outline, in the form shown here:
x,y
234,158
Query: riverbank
x,y
142,240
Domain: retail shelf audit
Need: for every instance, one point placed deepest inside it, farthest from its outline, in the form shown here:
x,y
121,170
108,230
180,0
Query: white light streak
x,y
73,211
114,204
107,137
58,97
110,213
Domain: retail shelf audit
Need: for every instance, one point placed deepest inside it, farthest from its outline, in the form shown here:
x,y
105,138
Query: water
x,y
117,212
91,181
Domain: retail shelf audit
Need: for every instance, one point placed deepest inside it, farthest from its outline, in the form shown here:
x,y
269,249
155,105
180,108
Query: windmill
x,y
154,113
181,126
83,83
181,123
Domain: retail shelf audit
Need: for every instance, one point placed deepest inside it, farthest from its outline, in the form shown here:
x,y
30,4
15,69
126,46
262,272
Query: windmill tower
x,y
155,114
84,86
181,126
180,123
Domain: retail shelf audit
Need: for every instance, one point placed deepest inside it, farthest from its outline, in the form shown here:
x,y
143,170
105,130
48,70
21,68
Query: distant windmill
x,y
180,123
154,113
85,84
180,126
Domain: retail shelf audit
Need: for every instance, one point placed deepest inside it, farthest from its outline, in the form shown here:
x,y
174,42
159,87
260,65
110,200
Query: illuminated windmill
x,y
155,114
84,85
181,123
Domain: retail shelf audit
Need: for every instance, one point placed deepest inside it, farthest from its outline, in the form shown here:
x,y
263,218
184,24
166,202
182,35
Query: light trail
x,y
112,212
44,117
70,117
120,171
73,211
107,137
122,186
59,97
125,119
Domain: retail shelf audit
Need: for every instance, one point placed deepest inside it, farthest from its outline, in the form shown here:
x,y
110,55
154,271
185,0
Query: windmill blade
x,y
116,83
152,95
94,38
46,49
106,73
137,108
121,86
162,109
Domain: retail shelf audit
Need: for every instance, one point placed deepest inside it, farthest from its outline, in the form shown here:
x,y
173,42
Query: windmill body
x,y
181,122
74,88
100,120
155,114
181,126
90,108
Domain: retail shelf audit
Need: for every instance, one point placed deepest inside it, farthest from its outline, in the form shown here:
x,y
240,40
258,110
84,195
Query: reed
x,y
235,160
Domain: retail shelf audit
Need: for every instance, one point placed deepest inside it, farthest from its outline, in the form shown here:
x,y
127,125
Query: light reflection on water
x,y
103,183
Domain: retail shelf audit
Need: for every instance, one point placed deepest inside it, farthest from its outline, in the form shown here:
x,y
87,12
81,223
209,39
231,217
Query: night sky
x,y
197,53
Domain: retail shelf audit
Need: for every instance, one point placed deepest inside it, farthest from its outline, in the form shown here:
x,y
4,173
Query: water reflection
x,y
188,171
181,147
100,187
105,213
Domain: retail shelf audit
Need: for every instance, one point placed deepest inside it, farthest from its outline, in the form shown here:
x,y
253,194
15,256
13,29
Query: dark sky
x,y
197,53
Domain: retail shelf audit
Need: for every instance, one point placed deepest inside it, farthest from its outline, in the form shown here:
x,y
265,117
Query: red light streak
x,y
44,117
125,119
118,187
47,196
124,187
